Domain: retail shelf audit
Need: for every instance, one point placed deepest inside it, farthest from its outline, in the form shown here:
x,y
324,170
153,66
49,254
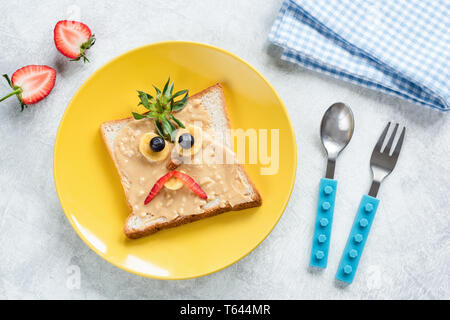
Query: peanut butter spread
x,y
224,183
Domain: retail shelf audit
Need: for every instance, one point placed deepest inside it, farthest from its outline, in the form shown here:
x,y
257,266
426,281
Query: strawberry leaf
x,y
146,100
9,81
179,93
177,106
160,108
84,46
167,126
138,116
178,122
165,87
159,128
17,91
169,91
158,92
171,124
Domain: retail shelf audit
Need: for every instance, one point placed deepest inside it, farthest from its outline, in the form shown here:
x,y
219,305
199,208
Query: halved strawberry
x,y
158,186
72,39
31,84
191,184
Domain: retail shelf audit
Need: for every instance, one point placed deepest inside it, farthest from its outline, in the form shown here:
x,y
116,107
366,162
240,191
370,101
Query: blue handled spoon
x,y
336,130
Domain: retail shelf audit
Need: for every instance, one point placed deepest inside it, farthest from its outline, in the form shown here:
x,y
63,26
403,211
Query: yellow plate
x,y
88,185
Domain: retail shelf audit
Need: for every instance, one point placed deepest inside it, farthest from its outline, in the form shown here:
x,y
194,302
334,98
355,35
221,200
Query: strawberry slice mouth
x,y
158,186
187,180
190,182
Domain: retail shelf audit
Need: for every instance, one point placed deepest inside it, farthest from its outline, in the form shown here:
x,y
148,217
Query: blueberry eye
x,y
186,141
157,144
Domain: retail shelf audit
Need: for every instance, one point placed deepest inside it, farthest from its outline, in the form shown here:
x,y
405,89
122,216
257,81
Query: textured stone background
x,y
407,255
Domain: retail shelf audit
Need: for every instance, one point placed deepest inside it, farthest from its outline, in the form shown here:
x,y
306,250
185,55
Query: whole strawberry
x,y
72,39
31,84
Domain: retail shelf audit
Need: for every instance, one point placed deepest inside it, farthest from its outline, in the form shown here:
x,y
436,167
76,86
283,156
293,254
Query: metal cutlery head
x,y
383,160
336,130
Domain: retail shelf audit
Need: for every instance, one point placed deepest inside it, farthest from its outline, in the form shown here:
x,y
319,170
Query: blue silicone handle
x,y
324,221
357,238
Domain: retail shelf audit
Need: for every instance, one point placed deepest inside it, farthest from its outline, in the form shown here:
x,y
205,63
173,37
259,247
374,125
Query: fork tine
x,y
388,147
382,137
398,147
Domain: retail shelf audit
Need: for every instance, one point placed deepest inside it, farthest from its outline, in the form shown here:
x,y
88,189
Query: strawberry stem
x,y
15,92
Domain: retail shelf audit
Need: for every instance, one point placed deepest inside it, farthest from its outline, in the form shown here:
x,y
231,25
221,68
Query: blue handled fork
x,y
382,163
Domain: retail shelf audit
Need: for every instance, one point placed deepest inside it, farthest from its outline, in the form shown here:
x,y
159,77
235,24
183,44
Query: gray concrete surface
x,y
407,255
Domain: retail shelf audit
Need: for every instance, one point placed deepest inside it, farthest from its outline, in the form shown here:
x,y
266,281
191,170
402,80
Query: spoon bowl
x,y
336,130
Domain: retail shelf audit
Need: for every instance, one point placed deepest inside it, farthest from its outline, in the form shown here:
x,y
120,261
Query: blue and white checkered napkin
x,y
400,47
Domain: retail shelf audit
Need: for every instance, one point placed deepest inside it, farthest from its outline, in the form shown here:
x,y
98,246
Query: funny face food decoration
x,y
175,161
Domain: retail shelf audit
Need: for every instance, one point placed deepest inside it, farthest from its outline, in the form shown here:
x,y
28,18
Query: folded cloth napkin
x,y
401,47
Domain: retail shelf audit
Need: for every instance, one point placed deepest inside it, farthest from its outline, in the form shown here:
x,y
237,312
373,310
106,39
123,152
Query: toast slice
x,y
243,193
